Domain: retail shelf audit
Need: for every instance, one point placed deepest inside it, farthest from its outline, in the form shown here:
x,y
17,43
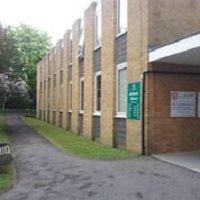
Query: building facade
x,y
100,82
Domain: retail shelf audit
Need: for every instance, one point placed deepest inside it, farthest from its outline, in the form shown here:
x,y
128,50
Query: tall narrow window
x,y
54,60
122,12
81,94
70,49
61,54
70,96
97,92
50,64
49,89
122,90
81,41
54,80
61,78
41,87
97,25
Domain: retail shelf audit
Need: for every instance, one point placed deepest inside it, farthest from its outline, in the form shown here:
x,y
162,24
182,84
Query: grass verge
x,y
6,172
77,145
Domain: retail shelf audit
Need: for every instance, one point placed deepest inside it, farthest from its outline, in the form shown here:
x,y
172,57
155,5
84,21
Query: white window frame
x,y
119,32
80,93
96,112
119,67
98,15
70,96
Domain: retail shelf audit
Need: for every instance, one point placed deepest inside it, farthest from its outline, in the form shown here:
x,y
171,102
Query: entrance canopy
x,y
185,51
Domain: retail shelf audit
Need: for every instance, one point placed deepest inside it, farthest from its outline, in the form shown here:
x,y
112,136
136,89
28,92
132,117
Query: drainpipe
x,y
143,113
143,99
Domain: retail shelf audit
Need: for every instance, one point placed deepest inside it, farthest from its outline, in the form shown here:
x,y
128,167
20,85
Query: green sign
x,y
134,101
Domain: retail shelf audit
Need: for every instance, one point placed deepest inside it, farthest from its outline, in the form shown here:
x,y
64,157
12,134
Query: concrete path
x,y
188,160
45,173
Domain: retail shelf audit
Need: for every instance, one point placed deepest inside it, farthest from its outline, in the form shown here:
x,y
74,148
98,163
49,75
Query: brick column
x,y
38,92
88,69
43,90
75,75
108,68
52,83
137,50
46,87
66,42
58,62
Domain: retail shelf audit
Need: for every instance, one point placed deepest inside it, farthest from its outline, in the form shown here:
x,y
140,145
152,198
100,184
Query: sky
x,y
52,16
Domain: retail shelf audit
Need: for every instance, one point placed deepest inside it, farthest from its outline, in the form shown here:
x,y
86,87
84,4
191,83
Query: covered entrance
x,y
172,100
188,160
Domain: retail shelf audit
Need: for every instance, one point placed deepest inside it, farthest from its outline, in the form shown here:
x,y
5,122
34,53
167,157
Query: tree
x,y
32,46
8,49
5,92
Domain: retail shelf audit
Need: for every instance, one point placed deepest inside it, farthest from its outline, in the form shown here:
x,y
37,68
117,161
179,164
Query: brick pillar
x,y
75,74
108,70
51,84
46,87
137,50
53,103
43,90
66,43
88,69
38,91
58,62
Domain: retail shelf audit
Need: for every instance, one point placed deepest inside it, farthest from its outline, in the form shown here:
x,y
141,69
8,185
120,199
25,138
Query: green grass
x,y
6,177
3,135
77,145
6,172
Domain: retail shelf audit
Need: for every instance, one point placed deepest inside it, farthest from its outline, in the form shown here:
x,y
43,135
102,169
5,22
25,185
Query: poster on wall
x,y
183,104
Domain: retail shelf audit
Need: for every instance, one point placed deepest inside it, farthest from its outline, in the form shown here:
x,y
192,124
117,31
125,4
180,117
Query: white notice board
x,y
183,104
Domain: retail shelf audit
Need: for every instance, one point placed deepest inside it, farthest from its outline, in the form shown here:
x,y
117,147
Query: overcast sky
x,y
52,16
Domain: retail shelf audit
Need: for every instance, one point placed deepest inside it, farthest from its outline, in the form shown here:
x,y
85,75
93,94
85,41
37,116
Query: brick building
x,y
112,79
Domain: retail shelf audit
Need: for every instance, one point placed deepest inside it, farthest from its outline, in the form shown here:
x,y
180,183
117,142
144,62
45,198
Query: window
x,y
122,16
70,96
97,93
41,87
54,80
70,49
49,63
61,54
81,41
54,60
81,94
97,26
122,90
61,78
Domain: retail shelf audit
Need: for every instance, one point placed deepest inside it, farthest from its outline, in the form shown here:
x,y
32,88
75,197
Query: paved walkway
x,y
45,173
188,160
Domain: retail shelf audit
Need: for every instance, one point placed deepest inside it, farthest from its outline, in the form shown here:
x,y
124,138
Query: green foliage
x,y
21,48
75,144
32,45
8,49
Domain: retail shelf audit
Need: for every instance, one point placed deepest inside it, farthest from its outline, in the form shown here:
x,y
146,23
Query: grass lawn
x,y
6,172
77,145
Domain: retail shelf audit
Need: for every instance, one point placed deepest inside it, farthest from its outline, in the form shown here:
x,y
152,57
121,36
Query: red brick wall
x,y
163,133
